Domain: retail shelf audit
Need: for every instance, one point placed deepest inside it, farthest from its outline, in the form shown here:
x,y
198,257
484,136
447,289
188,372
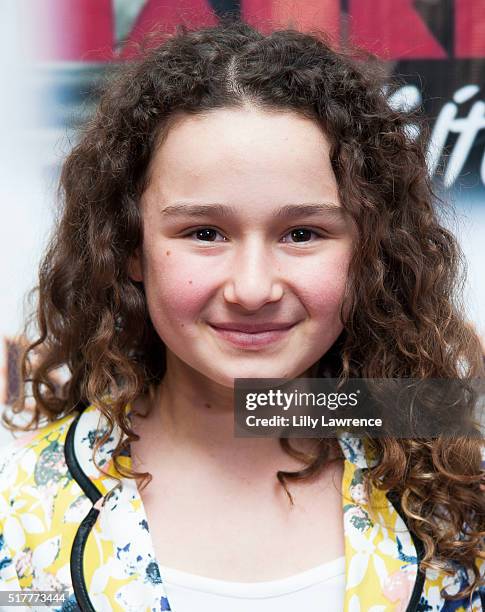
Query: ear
x,y
135,269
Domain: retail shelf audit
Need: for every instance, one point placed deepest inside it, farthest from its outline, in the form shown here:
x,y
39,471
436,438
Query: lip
x,y
252,328
255,339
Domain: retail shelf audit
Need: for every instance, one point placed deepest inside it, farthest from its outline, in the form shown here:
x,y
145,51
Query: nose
x,y
254,279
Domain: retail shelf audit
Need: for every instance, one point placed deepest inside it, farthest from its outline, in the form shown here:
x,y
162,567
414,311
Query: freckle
x,y
207,405
168,253
182,325
190,282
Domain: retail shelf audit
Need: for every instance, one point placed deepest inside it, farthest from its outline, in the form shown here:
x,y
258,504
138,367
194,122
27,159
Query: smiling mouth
x,y
258,339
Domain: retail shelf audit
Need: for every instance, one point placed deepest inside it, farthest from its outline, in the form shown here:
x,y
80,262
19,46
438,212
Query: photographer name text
x,y
311,422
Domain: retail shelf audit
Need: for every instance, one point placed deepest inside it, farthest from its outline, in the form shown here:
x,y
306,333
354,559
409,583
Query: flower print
x,y
28,462
356,451
100,601
91,427
164,605
353,449
399,586
433,596
102,575
452,584
45,581
370,544
354,604
402,555
43,497
155,599
23,563
364,549
122,521
403,544
77,510
13,533
153,573
50,466
92,436
64,575
357,477
5,559
46,553
372,549
18,519
358,494
357,517
356,488
128,596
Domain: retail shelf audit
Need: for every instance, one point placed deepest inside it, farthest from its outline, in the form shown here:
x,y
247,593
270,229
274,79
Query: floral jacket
x,y
64,526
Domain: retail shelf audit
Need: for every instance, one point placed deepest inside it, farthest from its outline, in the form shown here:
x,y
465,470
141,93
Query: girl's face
x,y
242,225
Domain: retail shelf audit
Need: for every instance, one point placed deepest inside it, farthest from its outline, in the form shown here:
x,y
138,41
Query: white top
x,y
319,588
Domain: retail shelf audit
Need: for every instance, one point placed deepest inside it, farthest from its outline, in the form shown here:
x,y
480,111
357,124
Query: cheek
x,y
322,287
175,291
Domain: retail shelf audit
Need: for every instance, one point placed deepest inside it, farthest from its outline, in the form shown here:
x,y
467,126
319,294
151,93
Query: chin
x,y
227,381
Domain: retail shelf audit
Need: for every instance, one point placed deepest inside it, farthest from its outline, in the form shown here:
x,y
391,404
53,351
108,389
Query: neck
x,y
193,414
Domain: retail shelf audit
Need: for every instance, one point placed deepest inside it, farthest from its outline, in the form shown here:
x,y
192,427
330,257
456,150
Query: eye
x,y
205,234
300,233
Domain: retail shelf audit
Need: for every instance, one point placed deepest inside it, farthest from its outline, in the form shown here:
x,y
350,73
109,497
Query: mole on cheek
x,y
190,282
168,253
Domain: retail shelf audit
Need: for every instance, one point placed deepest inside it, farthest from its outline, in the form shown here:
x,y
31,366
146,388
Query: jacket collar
x,y
354,449
381,566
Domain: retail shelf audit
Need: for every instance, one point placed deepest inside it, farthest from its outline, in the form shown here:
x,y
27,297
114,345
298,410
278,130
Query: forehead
x,y
228,154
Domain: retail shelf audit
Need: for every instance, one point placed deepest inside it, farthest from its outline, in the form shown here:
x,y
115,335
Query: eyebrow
x,y
289,211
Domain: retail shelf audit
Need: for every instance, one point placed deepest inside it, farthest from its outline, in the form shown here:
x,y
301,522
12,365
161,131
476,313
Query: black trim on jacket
x,y
84,529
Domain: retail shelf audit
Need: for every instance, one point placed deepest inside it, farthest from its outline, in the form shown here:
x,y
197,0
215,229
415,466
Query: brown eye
x,y
204,234
302,235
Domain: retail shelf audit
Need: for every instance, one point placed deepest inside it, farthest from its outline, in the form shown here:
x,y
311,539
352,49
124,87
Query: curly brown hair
x,y
404,317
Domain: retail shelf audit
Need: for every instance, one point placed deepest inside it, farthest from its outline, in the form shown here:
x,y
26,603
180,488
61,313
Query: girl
x,y
241,205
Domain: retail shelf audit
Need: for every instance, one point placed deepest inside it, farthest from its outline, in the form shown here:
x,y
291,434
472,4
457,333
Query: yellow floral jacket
x,y
65,526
